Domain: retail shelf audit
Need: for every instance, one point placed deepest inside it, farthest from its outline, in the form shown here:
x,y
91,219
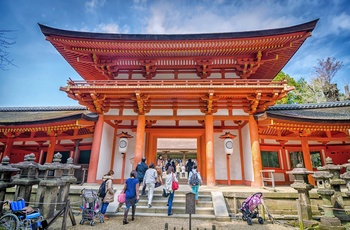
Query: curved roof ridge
x,y
41,108
310,105
308,26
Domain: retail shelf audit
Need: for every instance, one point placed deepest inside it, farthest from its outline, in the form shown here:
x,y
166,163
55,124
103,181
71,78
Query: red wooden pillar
x,y
256,156
228,165
113,148
95,150
241,151
209,147
51,150
140,138
123,169
8,148
307,158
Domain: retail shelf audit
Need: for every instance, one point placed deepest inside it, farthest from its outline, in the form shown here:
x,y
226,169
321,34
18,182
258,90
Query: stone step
x,y
176,203
176,215
179,192
175,210
177,197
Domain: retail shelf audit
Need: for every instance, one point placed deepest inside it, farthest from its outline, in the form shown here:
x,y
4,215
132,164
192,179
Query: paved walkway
x,y
158,223
178,222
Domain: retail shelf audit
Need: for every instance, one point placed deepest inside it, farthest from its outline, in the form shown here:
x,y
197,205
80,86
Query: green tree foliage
x,y
293,97
319,89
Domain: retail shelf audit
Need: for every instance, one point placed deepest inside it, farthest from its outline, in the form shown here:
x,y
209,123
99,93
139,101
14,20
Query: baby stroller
x,y
250,208
90,207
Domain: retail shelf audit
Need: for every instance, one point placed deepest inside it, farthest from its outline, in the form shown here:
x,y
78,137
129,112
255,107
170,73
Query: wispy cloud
x,y
93,4
341,22
206,17
111,28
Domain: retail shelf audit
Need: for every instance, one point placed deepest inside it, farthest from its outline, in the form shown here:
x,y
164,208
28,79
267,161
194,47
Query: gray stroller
x,y
90,207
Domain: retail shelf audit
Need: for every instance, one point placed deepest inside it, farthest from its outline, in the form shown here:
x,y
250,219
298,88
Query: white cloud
x,y
107,28
171,17
93,4
341,22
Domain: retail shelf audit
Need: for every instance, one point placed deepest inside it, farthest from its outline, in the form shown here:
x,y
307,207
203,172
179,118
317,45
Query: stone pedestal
x,y
346,176
47,193
27,177
6,171
69,178
325,189
301,184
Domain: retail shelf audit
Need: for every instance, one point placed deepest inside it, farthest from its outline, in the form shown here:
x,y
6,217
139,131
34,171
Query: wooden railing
x,y
153,83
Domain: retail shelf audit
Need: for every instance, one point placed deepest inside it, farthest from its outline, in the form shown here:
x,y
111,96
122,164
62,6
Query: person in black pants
x,y
141,169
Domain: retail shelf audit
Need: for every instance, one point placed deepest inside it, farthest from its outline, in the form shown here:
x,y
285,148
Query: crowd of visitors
x,y
150,177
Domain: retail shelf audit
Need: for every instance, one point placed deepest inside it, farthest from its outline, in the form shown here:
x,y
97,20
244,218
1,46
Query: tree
x,y
324,74
294,96
5,43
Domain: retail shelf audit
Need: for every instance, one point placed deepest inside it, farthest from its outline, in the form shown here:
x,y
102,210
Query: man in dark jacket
x,y
141,168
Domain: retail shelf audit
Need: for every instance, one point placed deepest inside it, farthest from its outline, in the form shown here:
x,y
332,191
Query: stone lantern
x,y
336,182
6,171
47,193
302,185
326,191
346,177
69,178
27,177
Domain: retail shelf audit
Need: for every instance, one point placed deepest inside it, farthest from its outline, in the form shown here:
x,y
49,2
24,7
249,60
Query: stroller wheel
x,y
92,223
244,218
249,221
81,222
260,220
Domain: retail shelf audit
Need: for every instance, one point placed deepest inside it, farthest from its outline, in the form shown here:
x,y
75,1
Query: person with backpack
x,y
106,192
141,169
195,180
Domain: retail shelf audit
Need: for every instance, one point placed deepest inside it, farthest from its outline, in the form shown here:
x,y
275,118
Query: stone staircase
x,y
204,208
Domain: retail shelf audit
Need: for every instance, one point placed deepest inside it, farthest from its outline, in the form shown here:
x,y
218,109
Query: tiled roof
x,y
311,105
308,26
41,108
41,115
335,112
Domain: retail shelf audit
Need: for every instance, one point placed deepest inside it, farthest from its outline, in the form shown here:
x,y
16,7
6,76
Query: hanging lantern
x,y
123,142
123,145
228,146
228,142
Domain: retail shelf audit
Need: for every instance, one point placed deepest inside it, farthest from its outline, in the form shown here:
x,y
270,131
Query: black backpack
x,y
102,190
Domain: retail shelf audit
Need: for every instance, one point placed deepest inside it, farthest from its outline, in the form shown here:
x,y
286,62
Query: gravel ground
x,y
158,223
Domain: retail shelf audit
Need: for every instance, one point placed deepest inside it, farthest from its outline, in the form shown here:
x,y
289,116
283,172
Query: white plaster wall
x,y
112,112
223,112
247,154
129,156
220,158
160,112
188,112
105,151
106,154
86,140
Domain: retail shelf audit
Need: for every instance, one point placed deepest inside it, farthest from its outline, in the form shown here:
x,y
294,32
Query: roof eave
x,y
308,27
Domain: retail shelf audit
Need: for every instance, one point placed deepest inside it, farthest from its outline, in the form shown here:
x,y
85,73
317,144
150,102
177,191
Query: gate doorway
x,y
179,144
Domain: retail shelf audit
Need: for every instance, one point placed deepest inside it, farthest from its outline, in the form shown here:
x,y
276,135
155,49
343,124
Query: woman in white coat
x,y
170,177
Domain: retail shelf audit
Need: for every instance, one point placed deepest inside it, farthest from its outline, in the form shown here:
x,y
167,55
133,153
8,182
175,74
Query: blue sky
x,y
41,70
